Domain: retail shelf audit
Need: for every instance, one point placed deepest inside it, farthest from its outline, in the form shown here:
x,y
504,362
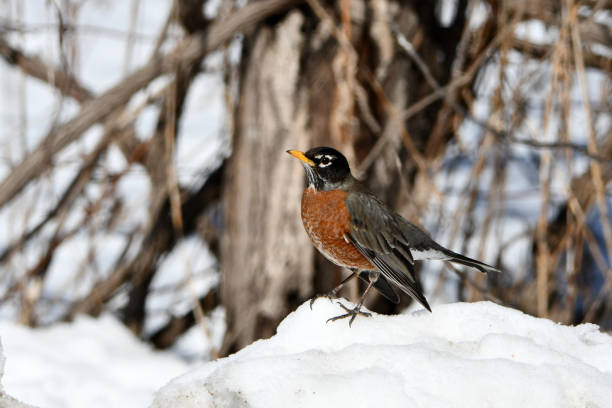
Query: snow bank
x,y
87,363
5,400
461,355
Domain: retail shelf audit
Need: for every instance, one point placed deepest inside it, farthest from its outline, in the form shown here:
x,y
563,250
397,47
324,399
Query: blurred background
x,y
144,172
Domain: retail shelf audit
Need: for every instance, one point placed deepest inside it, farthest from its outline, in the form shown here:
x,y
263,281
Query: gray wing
x,y
385,239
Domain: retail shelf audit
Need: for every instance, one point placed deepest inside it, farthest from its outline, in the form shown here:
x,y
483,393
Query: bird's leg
x,y
352,313
334,292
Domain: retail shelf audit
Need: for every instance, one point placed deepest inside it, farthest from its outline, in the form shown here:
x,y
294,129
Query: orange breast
x,y
326,220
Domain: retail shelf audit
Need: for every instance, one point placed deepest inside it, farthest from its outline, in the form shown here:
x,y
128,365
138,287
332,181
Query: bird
x,y
354,229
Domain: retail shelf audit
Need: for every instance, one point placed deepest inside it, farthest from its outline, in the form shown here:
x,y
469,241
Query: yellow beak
x,y
301,156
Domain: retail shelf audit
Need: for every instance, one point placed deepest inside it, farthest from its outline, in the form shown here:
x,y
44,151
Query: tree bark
x,y
266,257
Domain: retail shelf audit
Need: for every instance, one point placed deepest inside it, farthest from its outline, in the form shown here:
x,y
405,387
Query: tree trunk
x,y
266,257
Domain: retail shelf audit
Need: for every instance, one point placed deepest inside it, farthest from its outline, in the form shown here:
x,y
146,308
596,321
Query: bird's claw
x,y
331,295
352,313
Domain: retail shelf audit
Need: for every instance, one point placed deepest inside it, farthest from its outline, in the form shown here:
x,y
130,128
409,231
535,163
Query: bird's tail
x,y
464,260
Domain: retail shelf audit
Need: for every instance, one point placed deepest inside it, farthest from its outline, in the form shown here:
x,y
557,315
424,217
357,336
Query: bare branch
x,y
193,48
35,67
542,51
582,149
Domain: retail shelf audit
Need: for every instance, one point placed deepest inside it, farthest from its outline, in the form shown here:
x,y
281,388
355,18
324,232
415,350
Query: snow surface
x,y
87,363
461,355
7,401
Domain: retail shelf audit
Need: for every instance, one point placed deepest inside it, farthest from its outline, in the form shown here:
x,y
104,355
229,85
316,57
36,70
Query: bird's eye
x,y
325,161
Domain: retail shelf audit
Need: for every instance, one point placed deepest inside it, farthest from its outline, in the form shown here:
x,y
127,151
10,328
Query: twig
x,y
129,46
161,37
7,26
171,180
35,67
542,50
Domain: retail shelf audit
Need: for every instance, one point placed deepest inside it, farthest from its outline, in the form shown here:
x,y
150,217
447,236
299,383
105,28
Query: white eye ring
x,y
329,161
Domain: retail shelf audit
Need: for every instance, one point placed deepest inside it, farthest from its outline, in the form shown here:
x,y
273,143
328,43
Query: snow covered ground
x,y
461,355
88,363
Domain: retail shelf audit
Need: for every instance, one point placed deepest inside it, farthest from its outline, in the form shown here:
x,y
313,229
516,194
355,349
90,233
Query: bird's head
x,y
326,168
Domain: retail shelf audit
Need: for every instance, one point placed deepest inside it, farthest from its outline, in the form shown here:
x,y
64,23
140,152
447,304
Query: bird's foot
x,y
331,295
352,313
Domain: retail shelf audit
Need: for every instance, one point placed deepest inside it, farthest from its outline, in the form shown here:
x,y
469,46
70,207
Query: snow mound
x,y
5,400
461,355
86,363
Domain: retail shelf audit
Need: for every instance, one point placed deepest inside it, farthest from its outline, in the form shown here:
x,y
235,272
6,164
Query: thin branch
x,y
163,34
7,26
578,148
539,51
129,47
34,66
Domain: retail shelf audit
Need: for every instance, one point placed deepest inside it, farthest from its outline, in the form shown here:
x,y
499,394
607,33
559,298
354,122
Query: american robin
x,y
354,229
